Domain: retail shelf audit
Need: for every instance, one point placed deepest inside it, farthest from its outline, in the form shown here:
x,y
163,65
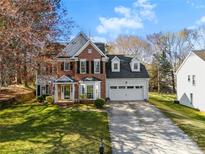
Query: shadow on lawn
x,y
60,130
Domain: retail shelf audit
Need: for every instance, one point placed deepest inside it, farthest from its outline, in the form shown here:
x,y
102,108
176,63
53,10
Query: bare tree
x,y
131,45
25,27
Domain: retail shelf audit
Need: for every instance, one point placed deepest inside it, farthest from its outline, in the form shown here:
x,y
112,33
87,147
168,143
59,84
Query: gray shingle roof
x,y
101,46
74,45
200,53
125,70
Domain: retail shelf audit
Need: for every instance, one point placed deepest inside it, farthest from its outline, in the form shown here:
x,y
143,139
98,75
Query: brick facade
x,y
77,76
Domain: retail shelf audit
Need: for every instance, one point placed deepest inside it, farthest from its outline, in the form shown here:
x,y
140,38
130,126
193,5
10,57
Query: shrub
x,y
83,96
99,103
49,99
40,99
44,96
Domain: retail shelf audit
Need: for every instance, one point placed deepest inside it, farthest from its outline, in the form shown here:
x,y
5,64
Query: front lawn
x,y
192,122
34,128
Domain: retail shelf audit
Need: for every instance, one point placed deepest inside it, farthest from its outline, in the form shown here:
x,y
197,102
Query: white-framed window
x,y
82,66
135,66
90,50
115,66
66,66
96,66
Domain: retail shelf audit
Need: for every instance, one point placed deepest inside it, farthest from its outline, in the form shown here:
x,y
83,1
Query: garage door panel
x,y
122,92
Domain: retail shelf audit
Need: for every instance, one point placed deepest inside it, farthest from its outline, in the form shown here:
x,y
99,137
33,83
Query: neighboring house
x,y
84,70
191,81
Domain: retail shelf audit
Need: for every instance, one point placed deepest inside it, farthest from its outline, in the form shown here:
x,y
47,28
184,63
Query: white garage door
x,y
126,93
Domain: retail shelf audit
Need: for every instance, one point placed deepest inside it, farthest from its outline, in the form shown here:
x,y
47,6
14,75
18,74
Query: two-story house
x,y
84,70
191,80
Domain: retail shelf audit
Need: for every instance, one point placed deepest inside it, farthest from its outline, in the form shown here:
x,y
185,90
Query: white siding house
x,y
191,81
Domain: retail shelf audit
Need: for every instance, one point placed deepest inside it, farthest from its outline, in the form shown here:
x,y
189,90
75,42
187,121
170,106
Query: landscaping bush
x,y
44,96
49,99
40,99
99,103
83,96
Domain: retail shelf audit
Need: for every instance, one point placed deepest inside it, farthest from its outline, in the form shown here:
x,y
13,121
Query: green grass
x,y
191,121
33,128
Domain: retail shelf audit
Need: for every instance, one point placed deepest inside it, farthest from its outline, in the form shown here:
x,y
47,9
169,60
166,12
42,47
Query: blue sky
x,y
104,20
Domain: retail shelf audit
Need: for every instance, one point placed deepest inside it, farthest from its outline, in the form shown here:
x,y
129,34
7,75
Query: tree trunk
x,y
158,80
25,73
1,73
173,82
18,74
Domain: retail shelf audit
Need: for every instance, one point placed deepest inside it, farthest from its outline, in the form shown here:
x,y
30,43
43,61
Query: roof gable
x,y
93,45
77,45
65,79
134,60
199,53
115,59
74,45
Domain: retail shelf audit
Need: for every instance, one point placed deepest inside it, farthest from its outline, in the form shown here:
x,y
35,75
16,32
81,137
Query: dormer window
x,y
115,64
116,67
135,65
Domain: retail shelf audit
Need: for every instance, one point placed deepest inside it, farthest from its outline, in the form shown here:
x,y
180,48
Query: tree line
x,y
162,53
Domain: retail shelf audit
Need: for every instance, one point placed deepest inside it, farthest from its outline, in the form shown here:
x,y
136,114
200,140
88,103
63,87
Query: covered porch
x,y
65,89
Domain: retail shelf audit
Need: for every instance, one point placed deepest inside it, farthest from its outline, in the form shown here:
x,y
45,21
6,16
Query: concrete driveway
x,y
138,127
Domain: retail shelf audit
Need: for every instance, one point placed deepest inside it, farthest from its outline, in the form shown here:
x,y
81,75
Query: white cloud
x,y
123,10
117,24
198,23
98,39
201,21
127,19
146,9
197,4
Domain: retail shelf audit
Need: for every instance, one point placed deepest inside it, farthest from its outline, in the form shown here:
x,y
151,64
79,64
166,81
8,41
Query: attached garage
x,y
127,89
127,79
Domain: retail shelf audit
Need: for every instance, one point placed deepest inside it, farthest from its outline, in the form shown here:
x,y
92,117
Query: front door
x,y
65,92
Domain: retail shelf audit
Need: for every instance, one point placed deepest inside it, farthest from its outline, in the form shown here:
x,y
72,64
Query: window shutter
x,y
62,66
101,67
87,66
78,67
71,66
92,67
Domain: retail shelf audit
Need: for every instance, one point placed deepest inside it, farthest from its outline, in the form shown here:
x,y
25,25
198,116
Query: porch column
x,y
56,93
73,92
